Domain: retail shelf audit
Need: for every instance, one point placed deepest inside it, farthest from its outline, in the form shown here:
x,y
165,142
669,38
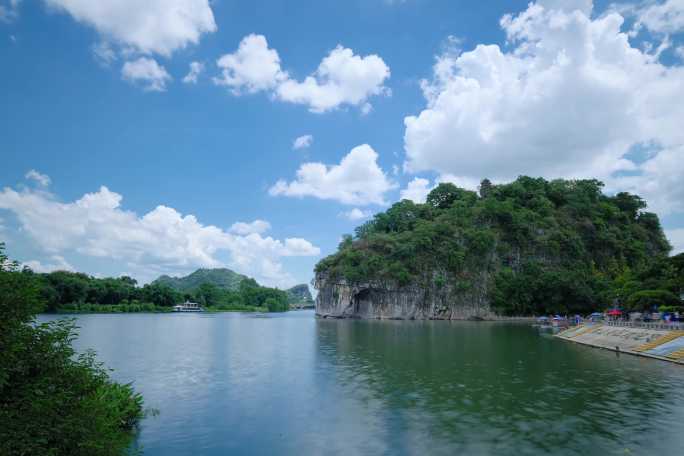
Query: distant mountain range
x,y
299,295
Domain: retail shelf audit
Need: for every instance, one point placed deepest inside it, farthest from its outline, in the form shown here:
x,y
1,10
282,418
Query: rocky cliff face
x,y
337,298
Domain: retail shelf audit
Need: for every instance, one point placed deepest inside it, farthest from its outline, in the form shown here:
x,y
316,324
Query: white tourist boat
x,y
188,306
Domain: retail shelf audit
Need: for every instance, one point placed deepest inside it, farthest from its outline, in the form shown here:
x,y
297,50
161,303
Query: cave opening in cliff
x,y
362,301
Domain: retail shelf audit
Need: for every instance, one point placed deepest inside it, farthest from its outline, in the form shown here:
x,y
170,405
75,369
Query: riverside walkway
x,y
652,340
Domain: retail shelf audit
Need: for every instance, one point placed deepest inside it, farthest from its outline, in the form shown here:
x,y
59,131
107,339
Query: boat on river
x,y
188,306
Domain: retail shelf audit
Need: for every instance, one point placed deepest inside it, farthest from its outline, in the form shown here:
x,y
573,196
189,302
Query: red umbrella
x,y
614,312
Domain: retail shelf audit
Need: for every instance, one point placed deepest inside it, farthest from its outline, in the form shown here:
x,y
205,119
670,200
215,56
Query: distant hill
x,y
221,277
298,296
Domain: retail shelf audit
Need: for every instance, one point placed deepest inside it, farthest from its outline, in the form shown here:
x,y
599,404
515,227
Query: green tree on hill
x,y
545,246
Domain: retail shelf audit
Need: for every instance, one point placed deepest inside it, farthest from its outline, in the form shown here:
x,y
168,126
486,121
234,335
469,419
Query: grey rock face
x,y
337,298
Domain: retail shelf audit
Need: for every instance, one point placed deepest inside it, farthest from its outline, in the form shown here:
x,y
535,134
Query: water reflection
x,y
291,384
483,388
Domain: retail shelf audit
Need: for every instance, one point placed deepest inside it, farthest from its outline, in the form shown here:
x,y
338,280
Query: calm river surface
x,y
292,384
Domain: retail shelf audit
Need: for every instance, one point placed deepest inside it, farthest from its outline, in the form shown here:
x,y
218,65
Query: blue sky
x,y
395,96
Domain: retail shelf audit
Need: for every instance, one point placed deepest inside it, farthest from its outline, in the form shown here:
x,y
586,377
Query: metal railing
x,y
673,325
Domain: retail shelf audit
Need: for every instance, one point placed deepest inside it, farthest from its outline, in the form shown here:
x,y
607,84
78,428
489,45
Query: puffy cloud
x,y
534,109
41,179
416,190
152,26
302,142
299,247
195,69
356,180
466,182
658,180
341,78
257,226
147,72
160,241
57,263
676,238
253,67
664,18
356,214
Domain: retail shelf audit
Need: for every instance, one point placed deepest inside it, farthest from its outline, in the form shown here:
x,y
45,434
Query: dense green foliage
x,y
73,292
220,277
249,296
540,246
648,299
52,401
225,279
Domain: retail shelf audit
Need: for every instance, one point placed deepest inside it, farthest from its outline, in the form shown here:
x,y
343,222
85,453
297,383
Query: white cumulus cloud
x,y
356,180
356,214
147,73
196,69
569,99
302,142
342,78
56,263
160,241
658,180
150,26
666,17
417,190
41,179
253,67
257,226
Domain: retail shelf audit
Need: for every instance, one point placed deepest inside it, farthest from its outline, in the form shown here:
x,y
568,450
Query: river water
x,y
293,384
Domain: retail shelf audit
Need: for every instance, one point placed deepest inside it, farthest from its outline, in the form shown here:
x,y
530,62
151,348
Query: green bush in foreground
x,y
52,401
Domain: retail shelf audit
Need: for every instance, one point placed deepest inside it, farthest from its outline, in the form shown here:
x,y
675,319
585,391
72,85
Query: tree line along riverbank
x,y
74,292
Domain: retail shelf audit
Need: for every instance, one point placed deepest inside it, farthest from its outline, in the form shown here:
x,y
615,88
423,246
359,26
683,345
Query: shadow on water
x,y
485,388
